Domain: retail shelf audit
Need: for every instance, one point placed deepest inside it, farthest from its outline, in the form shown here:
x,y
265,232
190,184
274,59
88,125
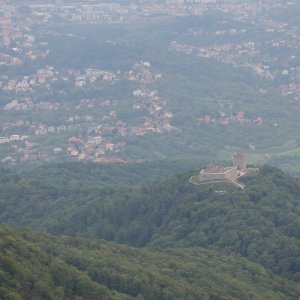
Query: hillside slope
x,y
39,266
261,223
90,174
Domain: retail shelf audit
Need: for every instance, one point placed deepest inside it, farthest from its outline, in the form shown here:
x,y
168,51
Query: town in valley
x,y
57,112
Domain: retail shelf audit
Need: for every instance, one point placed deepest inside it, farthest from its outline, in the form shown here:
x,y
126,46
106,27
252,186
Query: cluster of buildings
x,y
222,118
225,174
231,173
85,128
218,174
49,76
119,12
94,148
13,138
6,59
237,47
102,12
27,103
292,89
250,54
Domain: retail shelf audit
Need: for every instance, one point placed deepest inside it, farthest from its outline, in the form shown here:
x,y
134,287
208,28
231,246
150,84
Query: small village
x,y
104,131
222,118
251,54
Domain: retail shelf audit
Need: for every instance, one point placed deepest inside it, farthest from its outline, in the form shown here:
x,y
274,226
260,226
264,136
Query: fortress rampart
x,y
219,173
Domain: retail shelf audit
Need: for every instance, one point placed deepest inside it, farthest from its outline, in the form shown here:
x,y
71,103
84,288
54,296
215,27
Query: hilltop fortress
x,y
218,173
225,174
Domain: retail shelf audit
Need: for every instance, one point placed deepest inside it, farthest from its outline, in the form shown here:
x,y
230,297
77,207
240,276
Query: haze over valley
x,y
149,149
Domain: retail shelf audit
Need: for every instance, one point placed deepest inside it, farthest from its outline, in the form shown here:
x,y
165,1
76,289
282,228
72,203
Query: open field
x,y
286,156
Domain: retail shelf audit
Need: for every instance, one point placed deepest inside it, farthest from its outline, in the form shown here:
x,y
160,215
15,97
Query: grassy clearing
x,y
260,156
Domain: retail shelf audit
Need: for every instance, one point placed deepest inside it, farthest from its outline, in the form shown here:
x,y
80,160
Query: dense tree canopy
x,y
260,223
39,266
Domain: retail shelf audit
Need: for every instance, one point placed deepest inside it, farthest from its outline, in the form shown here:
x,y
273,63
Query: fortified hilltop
x,y
225,174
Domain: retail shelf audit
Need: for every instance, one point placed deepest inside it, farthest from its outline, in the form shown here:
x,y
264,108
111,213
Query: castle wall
x,y
229,173
232,174
212,176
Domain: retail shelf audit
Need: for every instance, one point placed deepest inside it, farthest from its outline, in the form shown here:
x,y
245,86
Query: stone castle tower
x,y
239,161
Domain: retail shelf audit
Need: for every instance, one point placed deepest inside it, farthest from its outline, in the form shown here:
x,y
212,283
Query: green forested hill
x,y
90,174
260,223
39,266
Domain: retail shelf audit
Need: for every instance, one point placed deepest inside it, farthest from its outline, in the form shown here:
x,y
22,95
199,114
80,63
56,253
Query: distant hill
x,y
260,223
39,266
